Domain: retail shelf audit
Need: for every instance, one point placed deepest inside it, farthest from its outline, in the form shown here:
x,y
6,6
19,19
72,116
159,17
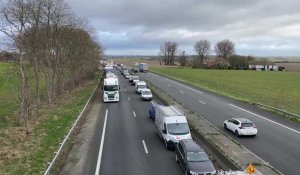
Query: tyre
x,y
167,145
225,126
237,133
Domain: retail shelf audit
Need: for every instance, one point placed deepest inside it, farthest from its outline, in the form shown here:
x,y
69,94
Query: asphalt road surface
x,y
130,144
277,141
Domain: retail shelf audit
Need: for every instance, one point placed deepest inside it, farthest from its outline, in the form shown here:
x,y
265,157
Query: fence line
x,y
284,112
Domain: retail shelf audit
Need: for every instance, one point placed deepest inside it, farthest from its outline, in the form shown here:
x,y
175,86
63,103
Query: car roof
x,y
146,90
244,120
191,146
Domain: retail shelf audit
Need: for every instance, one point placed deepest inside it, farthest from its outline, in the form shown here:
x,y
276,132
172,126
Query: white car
x,y
139,86
241,126
127,75
146,94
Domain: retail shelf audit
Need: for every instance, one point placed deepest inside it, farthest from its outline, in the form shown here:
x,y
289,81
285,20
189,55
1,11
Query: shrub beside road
x,y
28,154
278,89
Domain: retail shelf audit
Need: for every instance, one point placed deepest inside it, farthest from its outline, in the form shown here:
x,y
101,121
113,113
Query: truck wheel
x,y
237,133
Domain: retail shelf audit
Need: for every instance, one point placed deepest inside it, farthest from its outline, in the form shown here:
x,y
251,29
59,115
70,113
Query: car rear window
x,y
247,124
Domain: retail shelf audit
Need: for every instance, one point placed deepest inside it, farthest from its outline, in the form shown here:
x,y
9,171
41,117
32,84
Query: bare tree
x,y
14,17
168,52
225,49
182,58
202,48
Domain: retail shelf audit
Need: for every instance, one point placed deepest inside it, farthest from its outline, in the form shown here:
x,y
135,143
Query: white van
x,y
171,125
139,86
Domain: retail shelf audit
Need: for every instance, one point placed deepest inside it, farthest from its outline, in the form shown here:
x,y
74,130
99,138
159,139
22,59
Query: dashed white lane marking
x,y
101,145
125,89
152,102
266,119
168,85
184,86
134,114
129,98
145,147
201,102
181,92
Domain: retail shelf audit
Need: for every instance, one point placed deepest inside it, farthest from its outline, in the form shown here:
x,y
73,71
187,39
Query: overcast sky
x,y
132,27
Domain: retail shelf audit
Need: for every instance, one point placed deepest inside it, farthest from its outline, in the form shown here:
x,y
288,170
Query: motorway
x,y
277,141
130,144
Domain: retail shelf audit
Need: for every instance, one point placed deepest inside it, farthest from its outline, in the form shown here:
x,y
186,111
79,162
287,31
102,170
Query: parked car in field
x,y
193,159
241,126
146,94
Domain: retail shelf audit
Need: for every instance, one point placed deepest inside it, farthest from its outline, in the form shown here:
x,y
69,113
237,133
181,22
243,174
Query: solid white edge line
x,y
201,102
286,127
184,86
145,147
101,145
133,113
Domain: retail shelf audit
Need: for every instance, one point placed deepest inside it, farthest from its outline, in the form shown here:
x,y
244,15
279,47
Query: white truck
x,y
171,125
111,89
143,67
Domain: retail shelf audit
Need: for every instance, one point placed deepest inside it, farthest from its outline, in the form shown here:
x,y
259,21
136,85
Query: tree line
x,y
224,49
55,50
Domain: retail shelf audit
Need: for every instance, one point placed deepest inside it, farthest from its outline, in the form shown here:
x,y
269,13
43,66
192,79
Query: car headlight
x,y
193,173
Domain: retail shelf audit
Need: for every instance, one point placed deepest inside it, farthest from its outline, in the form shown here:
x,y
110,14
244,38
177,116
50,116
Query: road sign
x,y
250,169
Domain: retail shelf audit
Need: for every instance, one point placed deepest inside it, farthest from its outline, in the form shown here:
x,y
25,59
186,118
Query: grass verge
x,y
278,89
28,154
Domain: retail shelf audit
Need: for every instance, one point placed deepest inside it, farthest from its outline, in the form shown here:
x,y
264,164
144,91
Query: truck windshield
x,y
178,128
197,157
111,88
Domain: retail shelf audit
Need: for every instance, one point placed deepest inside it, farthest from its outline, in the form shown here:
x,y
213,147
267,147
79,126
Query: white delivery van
x,y
139,86
171,125
111,89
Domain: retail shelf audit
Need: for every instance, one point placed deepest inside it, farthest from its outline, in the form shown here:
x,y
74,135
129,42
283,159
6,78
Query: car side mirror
x,y
164,131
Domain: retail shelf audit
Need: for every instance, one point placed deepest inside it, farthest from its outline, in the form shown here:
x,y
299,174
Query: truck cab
x,y
111,89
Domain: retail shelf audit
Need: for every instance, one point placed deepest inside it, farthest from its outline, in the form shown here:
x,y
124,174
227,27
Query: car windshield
x,y
146,92
247,124
197,157
142,86
178,128
135,78
111,88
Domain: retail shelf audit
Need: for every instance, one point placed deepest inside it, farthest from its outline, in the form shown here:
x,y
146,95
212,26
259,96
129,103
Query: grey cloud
x,y
144,24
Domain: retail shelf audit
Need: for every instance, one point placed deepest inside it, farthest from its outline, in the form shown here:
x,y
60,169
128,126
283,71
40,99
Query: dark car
x,y
135,70
152,111
193,159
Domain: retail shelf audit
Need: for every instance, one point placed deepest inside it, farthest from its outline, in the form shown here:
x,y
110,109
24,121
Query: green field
x,y
278,89
28,154
8,82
